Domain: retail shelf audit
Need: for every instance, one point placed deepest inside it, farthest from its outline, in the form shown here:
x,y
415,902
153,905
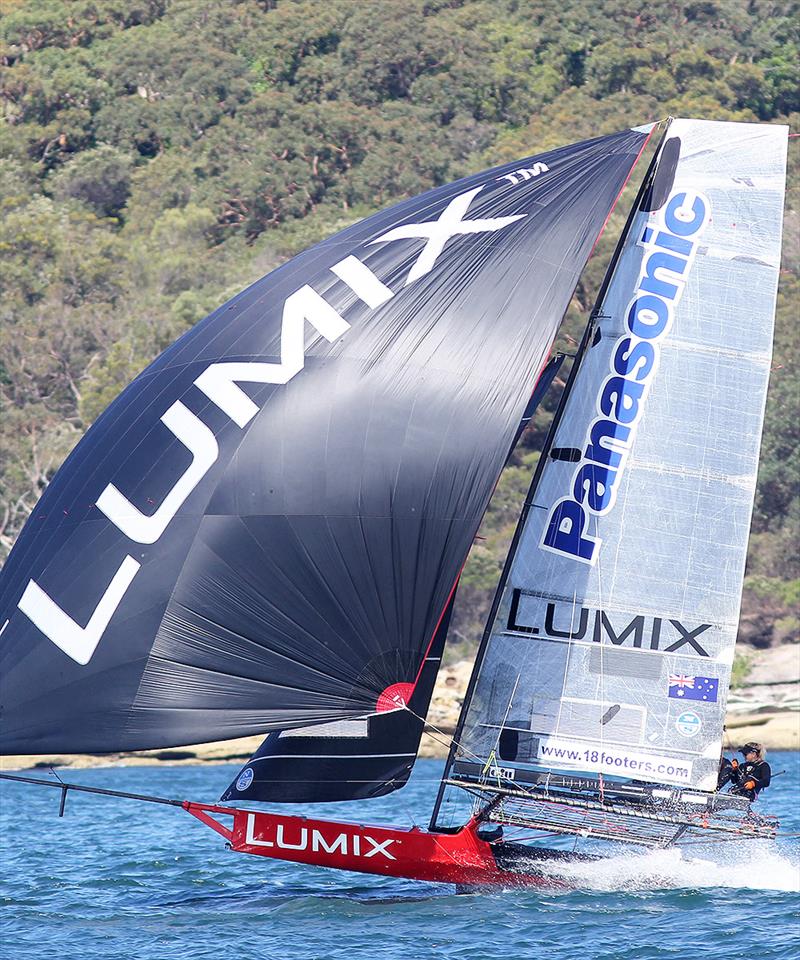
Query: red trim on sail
x,y
395,697
455,584
622,190
438,624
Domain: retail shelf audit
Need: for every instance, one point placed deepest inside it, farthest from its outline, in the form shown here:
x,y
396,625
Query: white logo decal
x,y
688,724
318,843
525,173
218,381
77,642
201,443
244,780
438,232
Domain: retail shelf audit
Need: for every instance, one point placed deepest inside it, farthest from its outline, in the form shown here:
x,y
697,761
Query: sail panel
x,y
367,757
348,759
612,645
264,529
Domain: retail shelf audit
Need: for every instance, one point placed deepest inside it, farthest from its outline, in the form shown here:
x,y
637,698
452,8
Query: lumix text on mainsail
x,y
643,632
671,245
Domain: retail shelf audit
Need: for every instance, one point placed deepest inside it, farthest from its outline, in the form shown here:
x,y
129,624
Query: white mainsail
x,y
612,644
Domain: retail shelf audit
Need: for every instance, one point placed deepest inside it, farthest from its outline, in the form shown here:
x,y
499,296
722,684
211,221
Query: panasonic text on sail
x,y
671,245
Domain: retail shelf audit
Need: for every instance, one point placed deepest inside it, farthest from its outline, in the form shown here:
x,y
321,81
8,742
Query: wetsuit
x,y
726,773
751,777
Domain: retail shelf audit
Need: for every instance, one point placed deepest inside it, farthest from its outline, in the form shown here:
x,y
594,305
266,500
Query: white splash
x,y
749,865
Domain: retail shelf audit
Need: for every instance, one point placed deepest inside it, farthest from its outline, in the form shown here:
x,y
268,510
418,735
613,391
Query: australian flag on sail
x,y
682,687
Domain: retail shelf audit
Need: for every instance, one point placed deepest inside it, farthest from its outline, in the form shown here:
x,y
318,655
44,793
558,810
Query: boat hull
x,y
460,857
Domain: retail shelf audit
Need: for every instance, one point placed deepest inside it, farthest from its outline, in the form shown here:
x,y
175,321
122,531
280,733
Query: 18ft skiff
x,y
265,531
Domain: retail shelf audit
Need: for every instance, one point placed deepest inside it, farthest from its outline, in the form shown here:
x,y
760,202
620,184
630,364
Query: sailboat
x,y
265,531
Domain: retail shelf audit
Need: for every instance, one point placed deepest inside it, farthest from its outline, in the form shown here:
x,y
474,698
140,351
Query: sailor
x,y
749,777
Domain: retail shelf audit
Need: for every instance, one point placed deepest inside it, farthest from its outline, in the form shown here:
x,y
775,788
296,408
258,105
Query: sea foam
x,y
751,864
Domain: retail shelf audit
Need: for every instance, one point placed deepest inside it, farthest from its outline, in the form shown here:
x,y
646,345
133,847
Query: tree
x,y
156,157
100,178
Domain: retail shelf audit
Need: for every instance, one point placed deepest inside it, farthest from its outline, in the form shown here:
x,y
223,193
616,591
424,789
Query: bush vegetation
x,y
158,155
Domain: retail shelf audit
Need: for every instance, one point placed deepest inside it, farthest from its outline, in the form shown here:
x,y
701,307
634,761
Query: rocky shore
x,y
765,707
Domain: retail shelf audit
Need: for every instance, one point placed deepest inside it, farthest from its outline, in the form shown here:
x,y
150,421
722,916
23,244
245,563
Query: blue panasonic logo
x,y
671,246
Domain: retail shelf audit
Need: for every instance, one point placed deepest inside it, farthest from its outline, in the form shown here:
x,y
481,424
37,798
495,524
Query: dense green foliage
x,y
157,155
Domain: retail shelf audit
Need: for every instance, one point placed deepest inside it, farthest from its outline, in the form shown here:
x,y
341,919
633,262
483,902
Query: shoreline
x,y
766,710
778,730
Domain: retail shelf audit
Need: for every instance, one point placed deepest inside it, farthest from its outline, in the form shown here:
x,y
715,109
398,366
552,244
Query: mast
x,y
612,634
588,332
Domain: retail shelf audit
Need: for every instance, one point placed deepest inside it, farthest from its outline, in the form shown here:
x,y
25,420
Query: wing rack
x,y
648,820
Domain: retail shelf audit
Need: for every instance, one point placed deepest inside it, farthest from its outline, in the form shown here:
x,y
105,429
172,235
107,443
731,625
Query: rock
x,y
777,665
777,731
768,700
226,751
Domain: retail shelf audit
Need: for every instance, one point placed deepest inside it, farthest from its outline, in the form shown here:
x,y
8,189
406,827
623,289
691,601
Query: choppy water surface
x,y
118,879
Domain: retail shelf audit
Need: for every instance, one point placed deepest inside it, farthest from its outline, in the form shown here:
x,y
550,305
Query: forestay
x,y
611,648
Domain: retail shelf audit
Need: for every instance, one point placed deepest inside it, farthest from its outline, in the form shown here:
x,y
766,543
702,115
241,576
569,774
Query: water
x,y
118,879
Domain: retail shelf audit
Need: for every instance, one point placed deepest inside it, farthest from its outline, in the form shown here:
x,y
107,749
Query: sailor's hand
x,y
749,785
734,764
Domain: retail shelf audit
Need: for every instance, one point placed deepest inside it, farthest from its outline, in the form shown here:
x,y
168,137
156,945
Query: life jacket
x,y
758,771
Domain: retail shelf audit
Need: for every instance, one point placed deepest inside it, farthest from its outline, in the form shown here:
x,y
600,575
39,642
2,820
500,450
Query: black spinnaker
x,y
369,756
264,530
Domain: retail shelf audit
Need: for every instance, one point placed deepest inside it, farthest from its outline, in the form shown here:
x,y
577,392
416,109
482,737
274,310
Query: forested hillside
x,y
157,156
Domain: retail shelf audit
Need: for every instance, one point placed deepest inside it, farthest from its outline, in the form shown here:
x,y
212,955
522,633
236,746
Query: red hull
x,y
460,858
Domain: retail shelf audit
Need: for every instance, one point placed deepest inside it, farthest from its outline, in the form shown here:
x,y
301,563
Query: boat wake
x,y
753,866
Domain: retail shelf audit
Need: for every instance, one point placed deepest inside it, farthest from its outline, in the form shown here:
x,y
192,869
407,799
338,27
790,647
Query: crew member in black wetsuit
x,y
749,777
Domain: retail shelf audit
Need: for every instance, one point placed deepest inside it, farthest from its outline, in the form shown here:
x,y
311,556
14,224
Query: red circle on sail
x,y
394,697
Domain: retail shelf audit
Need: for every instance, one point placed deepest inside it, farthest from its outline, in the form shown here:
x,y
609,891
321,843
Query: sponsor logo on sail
x,y
245,779
688,724
602,758
501,773
671,244
524,173
220,382
567,621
